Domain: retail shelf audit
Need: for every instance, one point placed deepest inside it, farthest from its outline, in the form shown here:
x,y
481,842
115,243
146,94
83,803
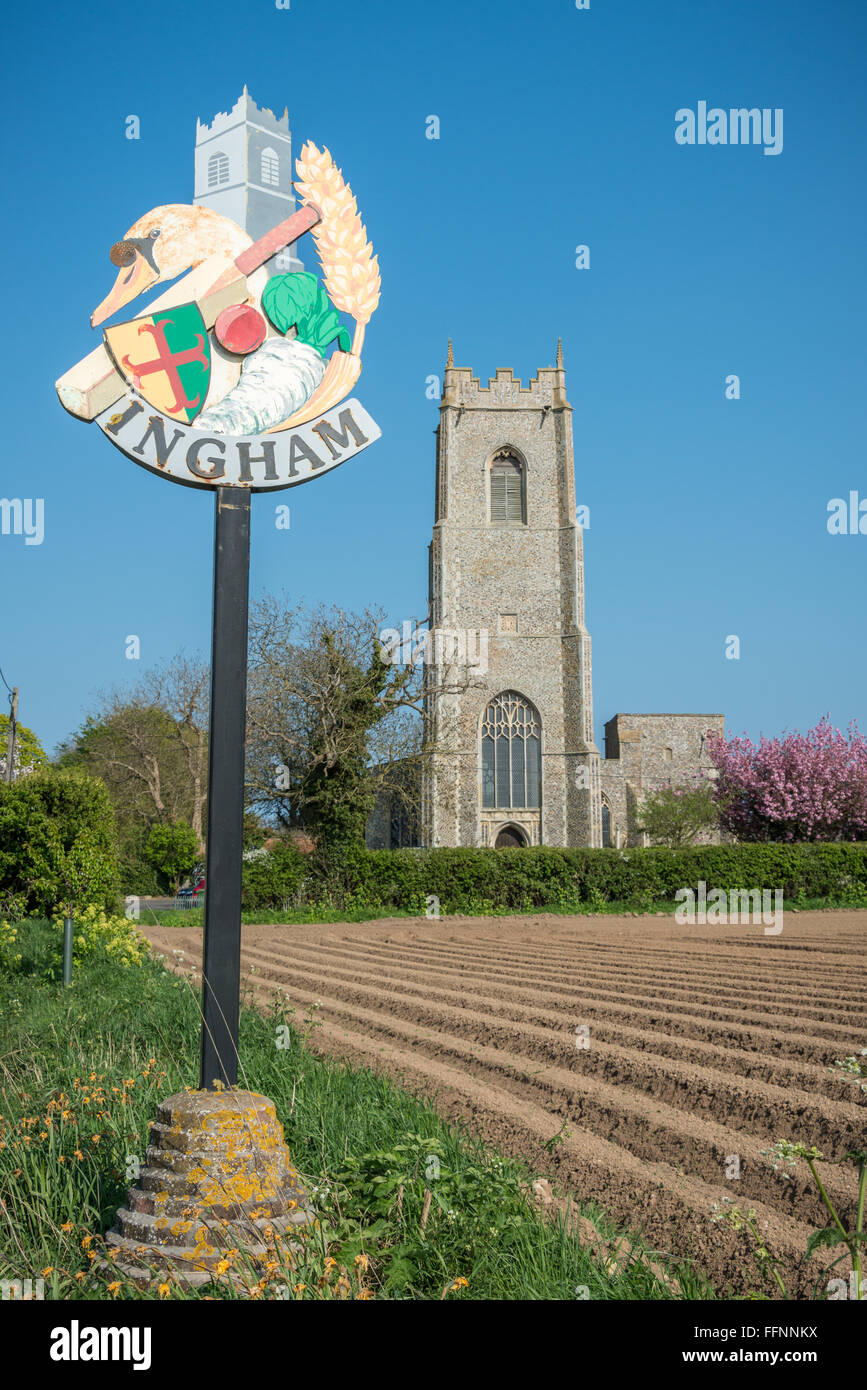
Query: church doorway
x,y
510,837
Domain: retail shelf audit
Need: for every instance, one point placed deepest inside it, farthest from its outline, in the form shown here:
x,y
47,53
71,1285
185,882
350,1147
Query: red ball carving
x,y
240,329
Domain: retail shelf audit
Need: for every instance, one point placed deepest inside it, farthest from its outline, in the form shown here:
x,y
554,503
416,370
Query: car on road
x,y
194,890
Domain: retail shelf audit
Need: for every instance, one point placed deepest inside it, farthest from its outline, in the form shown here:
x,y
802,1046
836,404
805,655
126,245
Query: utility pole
x,y
10,740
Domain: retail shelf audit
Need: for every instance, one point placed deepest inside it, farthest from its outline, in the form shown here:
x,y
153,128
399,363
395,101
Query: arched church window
x,y
270,167
511,753
218,169
508,490
606,824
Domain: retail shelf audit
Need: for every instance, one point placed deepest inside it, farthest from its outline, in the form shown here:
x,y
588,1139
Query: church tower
x,y
508,667
243,169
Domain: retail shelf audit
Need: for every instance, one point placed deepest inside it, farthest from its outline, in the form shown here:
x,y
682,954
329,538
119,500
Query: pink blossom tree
x,y
809,786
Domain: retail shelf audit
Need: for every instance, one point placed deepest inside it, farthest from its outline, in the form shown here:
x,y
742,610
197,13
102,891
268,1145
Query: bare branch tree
x,y
317,682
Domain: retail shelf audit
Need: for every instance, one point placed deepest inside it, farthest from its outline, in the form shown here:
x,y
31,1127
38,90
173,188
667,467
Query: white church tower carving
x,y
243,169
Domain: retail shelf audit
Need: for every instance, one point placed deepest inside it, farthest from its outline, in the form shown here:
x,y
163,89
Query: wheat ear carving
x,y
349,267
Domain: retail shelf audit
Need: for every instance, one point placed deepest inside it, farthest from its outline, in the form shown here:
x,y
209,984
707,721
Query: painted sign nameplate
x,y
260,462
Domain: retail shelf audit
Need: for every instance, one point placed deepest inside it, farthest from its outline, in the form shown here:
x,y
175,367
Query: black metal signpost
x,y
221,958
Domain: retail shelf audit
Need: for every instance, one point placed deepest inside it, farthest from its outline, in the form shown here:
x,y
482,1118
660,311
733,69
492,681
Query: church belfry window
x,y
218,169
511,754
270,168
508,505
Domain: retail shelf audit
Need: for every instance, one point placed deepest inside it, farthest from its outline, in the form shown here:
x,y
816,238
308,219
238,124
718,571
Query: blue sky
x,y
708,516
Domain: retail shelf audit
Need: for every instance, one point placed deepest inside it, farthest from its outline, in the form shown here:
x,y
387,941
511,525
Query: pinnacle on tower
x,y
559,363
450,361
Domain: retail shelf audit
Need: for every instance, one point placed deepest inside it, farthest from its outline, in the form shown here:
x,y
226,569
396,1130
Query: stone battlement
x,y
548,387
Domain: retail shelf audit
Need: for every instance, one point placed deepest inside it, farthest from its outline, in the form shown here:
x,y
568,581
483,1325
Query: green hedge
x,y
275,880
488,880
484,879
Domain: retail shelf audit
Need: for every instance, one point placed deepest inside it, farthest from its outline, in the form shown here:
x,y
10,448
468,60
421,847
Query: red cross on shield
x,y
166,357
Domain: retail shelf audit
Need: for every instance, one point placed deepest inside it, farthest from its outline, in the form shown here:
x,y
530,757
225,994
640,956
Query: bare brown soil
x,y
704,1042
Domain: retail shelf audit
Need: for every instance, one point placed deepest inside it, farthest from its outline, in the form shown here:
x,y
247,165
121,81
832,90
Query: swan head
x,y
161,245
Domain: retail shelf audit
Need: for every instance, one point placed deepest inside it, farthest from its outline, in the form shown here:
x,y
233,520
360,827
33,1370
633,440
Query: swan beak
x,y
131,281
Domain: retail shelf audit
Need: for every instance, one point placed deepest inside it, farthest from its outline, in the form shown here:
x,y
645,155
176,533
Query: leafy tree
x,y
255,831
330,722
173,850
801,787
29,752
58,843
273,877
149,745
677,815
87,873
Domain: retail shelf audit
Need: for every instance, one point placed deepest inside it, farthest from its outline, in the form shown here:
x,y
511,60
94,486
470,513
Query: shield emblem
x,y
166,357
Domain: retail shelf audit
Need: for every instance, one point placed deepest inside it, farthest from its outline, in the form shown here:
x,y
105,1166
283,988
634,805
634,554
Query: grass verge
x,y
310,916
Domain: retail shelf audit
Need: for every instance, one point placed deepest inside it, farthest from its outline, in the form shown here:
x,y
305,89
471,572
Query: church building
x,y
514,760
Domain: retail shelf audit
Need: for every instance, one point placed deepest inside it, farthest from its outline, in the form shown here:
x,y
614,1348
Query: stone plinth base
x,y
217,1178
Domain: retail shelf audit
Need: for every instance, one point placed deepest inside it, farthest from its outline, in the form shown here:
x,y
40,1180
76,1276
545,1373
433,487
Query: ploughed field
x,y
704,1042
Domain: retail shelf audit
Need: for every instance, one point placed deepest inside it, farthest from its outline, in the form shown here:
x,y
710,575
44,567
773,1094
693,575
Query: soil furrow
x,y
688,1089
722,1053
543,975
704,1043
829,1046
